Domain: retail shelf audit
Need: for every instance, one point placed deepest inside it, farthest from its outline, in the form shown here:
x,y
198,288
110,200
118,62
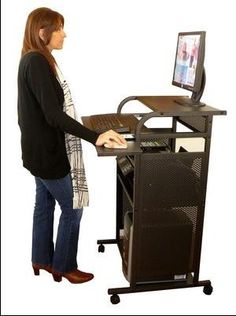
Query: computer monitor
x,y
189,72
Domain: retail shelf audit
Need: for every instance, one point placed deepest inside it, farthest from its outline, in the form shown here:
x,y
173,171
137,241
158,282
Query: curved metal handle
x,y
122,103
145,118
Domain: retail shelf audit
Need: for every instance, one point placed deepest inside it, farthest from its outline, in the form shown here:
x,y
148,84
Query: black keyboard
x,y
117,122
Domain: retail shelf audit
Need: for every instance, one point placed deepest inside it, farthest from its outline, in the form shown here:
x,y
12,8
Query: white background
x,y
115,49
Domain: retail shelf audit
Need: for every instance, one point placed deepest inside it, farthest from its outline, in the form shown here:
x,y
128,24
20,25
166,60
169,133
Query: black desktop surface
x,y
166,106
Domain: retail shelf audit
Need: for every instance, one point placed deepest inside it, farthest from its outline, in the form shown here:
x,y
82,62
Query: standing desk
x,y
160,198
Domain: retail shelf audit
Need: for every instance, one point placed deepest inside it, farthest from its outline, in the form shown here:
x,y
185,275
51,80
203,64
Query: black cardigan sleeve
x,y
40,79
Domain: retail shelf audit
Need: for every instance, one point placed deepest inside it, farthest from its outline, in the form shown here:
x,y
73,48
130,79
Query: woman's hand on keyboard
x,y
110,138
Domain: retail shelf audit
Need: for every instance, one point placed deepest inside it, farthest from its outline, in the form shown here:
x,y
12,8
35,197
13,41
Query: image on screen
x,y
186,59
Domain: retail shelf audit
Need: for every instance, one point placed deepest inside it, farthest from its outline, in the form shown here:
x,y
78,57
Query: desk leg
x,y
207,288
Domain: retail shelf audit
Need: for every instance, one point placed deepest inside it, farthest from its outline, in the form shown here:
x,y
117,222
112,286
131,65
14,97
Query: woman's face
x,y
57,39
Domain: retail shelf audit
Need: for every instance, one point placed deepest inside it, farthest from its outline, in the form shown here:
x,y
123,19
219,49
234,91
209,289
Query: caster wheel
x,y
115,299
101,248
207,289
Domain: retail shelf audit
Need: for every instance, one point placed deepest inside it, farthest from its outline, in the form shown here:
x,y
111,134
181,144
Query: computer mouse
x,y
115,146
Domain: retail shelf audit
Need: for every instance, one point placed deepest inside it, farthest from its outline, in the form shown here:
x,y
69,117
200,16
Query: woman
x,y
51,147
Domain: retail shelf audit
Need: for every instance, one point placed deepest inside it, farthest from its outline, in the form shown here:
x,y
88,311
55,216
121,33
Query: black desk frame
x,y
152,173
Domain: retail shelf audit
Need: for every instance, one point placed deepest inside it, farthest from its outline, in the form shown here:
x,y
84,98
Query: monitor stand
x,y
194,101
186,101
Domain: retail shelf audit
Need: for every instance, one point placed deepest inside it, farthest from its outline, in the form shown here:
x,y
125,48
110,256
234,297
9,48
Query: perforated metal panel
x,y
171,199
171,180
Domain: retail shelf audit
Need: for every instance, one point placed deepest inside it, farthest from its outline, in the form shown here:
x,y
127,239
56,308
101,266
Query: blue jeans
x,y
62,257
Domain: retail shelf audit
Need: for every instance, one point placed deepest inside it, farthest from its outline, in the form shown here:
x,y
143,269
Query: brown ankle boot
x,y
37,267
75,276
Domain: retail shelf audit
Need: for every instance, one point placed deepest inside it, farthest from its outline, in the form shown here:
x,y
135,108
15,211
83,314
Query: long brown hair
x,y
49,21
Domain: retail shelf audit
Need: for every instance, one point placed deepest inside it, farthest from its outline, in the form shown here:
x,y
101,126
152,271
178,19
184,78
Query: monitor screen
x,y
189,63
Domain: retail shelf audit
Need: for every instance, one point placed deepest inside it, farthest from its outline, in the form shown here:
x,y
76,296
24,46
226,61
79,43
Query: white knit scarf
x,y
74,151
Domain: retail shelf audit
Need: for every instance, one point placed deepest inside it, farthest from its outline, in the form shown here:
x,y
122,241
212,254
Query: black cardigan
x,y
42,121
